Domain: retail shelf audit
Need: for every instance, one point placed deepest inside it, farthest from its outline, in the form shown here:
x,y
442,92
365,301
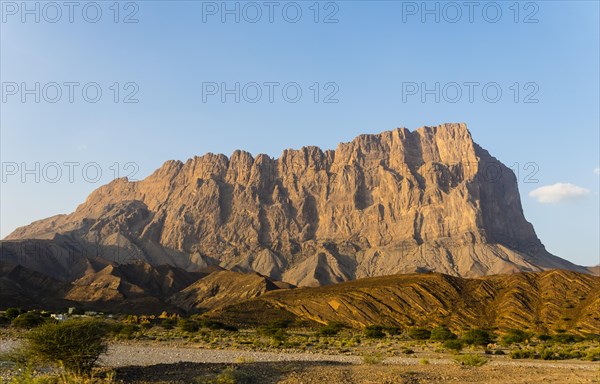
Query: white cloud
x,y
559,192
597,171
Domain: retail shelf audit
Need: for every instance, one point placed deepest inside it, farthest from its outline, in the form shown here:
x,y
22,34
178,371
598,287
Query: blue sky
x,y
367,60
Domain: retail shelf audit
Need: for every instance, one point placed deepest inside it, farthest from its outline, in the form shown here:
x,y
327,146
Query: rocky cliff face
x,y
394,202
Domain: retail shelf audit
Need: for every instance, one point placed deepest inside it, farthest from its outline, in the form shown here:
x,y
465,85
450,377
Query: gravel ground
x,y
7,345
144,354
149,362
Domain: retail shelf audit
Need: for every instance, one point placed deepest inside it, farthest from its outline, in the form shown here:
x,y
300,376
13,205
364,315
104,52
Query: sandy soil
x,y
146,363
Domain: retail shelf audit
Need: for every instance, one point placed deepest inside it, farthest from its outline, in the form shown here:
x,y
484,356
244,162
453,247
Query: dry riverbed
x,y
139,363
150,362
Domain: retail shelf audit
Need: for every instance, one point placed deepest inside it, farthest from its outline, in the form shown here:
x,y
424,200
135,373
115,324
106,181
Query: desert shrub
x,y
514,336
332,328
477,337
471,360
392,330
188,325
168,323
12,313
229,375
544,337
455,345
499,352
592,354
592,337
279,324
374,332
424,362
371,359
522,354
566,338
419,334
75,344
273,327
408,351
558,353
28,375
442,334
276,330
127,331
27,320
216,325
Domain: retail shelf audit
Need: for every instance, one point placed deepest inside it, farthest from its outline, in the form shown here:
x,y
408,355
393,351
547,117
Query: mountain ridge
x,y
393,202
545,302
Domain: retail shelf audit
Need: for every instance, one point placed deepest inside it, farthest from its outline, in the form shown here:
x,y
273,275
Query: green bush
x,y
168,323
566,338
216,325
514,336
276,330
471,360
592,337
12,313
393,331
477,337
544,337
188,325
374,332
76,344
592,354
127,331
455,345
442,334
375,358
559,353
27,320
229,375
332,328
419,334
522,354
279,324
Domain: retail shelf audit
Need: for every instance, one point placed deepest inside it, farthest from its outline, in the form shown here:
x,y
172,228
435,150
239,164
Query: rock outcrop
x,y
395,202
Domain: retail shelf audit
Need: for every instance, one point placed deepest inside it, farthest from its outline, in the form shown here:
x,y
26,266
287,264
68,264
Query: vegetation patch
x,y
472,360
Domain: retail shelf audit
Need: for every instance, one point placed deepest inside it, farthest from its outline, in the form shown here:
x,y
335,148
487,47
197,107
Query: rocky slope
x,y
131,288
222,288
394,202
540,301
136,288
22,287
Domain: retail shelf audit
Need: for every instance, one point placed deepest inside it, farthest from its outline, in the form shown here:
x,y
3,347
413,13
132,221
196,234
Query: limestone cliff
x,y
395,202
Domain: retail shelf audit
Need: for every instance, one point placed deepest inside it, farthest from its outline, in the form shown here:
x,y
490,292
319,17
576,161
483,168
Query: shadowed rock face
x,y
395,202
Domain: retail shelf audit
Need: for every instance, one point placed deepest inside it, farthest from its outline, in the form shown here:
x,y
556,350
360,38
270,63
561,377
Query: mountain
x,y
136,288
131,288
22,287
595,270
394,202
544,302
223,288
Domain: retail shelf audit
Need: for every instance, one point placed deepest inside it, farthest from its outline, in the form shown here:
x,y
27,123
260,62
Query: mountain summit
x,y
394,202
